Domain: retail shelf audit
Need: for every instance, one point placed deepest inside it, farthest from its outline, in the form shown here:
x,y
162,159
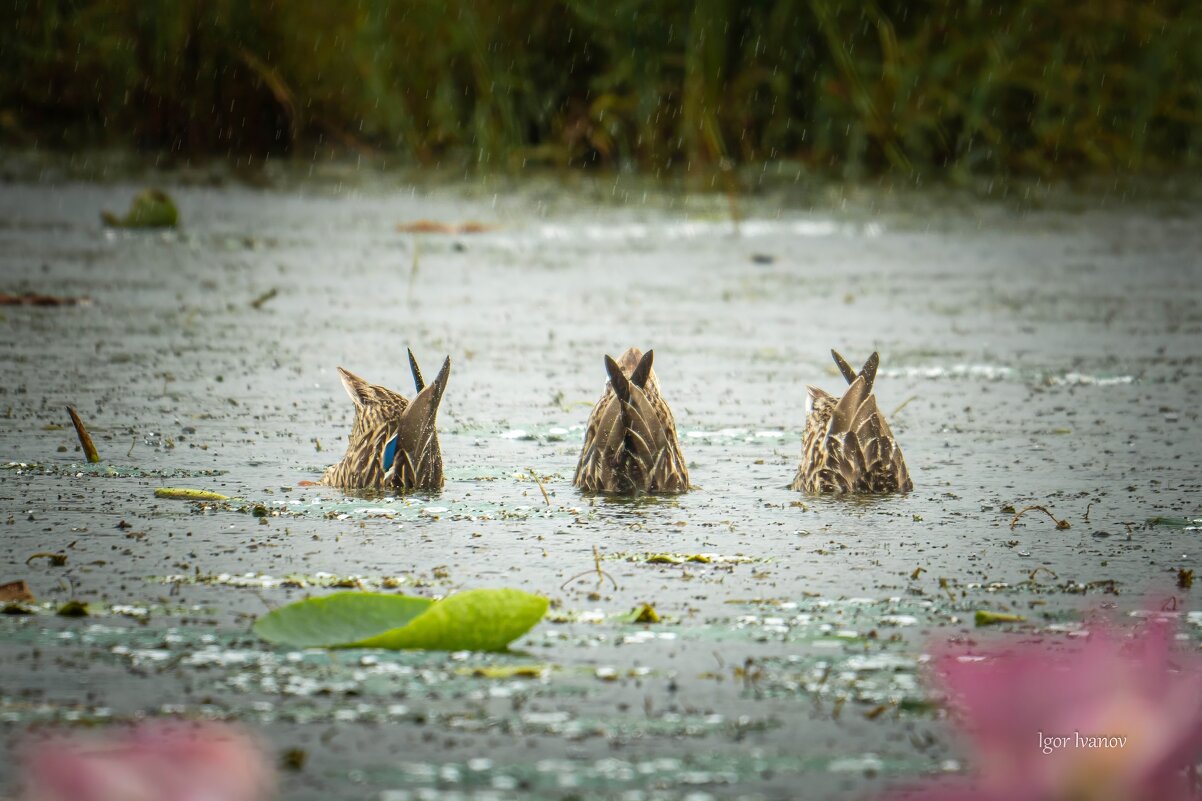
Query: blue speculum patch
x,y
390,452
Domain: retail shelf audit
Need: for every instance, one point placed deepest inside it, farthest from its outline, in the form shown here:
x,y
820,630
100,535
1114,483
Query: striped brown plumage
x,y
630,446
848,447
381,414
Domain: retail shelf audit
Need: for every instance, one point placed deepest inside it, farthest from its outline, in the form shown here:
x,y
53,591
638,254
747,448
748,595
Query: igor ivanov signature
x,y
1078,740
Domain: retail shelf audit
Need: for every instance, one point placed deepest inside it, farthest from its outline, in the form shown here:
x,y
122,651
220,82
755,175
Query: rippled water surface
x,y
1032,356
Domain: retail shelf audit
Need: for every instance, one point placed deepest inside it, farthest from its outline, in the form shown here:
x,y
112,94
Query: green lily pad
x,y
476,620
151,208
1174,522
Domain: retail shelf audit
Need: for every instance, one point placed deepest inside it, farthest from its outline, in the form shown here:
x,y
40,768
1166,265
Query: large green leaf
x,y
339,619
476,620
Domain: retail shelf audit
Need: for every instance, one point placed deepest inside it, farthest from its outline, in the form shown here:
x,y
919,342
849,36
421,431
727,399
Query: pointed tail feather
x,y
843,366
643,371
617,379
869,369
418,457
418,381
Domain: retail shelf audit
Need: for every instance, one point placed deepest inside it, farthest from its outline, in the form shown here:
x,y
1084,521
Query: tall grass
x,y
1031,86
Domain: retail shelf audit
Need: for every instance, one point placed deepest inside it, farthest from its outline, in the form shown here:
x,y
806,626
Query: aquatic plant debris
x,y
986,618
475,620
1060,524
150,208
36,299
73,609
435,227
645,614
85,439
184,494
16,591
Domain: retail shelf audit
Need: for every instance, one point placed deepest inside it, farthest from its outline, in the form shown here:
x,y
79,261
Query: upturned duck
x,y
394,441
847,446
630,446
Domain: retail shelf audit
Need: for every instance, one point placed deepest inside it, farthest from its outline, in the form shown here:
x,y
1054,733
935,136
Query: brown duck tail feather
x,y
617,379
357,388
843,366
418,381
418,454
630,444
642,372
869,369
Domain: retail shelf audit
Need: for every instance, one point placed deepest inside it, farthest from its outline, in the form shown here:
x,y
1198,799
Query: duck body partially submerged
x,y
848,447
630,445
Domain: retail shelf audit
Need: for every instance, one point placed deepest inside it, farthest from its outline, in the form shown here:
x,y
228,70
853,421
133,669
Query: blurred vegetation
x,y
1020,86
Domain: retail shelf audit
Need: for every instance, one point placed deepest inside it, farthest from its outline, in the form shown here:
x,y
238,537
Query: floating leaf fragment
x,y
1185,579
294,759
678,558
184,494
986,618
505,671
16,591
73,609
647,614
475,620
150,208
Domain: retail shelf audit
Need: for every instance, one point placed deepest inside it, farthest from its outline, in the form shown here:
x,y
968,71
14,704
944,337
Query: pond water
x,y
1035,354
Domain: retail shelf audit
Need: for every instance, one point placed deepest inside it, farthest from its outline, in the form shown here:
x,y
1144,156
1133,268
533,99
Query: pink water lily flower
x,y
149,762
1110,718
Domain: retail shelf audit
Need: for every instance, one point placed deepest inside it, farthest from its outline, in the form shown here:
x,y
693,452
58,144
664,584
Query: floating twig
x,y
539,481
85,439
56,559
1060,524
258,302
601,574
36,299
1031,576
903,405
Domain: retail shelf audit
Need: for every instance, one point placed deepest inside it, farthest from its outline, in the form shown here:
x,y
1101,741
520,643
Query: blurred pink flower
x,y
150,762
1029,711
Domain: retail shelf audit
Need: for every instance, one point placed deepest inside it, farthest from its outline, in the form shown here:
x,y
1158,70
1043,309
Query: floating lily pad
x,y
476,620
1174,522
151,208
